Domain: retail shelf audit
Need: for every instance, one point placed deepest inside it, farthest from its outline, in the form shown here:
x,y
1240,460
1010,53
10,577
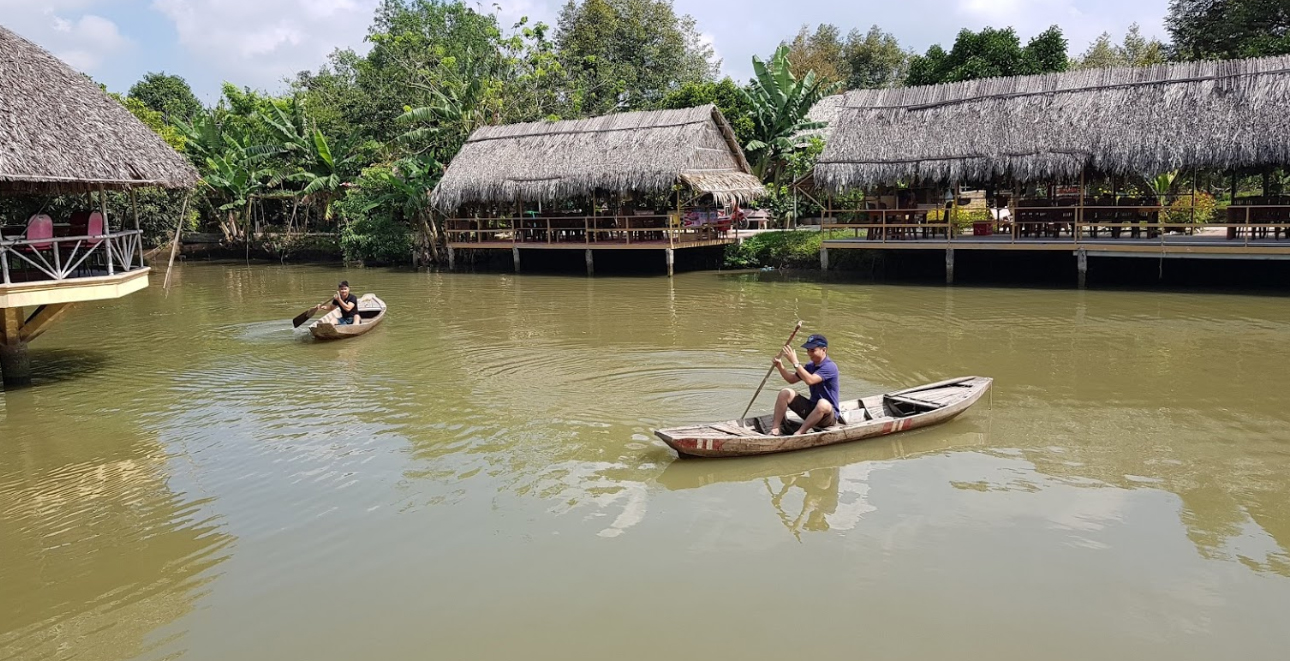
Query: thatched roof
x,y
60,133
1142,121
825,110
643,152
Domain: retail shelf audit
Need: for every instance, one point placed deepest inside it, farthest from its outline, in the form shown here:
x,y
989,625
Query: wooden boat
x,y
370,308
866,417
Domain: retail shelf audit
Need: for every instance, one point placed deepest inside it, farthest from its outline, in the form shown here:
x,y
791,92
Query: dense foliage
x,y
1227,29
987,54
861,60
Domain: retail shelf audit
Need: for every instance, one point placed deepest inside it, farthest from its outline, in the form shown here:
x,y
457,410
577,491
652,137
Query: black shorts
x,y
802,407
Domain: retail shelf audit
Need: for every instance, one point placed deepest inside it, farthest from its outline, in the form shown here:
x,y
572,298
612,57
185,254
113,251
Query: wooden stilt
x,y
41,320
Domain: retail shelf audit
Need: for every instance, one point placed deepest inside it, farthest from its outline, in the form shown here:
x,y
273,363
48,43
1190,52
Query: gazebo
x,y
617,181
60,134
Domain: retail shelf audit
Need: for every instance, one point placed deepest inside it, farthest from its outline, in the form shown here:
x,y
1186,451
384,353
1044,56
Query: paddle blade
x,y
302,317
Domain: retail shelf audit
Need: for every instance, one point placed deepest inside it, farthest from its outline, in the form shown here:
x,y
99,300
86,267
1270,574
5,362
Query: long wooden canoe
x,y
866,417
371,311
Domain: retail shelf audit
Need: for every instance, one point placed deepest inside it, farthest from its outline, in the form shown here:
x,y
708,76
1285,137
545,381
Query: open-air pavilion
x,y
654,180
1068,163
60,135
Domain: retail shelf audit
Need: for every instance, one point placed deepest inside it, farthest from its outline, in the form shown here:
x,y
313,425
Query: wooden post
x,y
106,229
1081,266
174,246
824,259
949,266
668,255
15,364
452,258
134,208
591,263
1079,213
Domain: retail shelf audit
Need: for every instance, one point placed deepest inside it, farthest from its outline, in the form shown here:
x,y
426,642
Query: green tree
x,y
1136,51
167,94
153,120
874,59
987,54
628,54
780,103
1228,29
725,95
821,51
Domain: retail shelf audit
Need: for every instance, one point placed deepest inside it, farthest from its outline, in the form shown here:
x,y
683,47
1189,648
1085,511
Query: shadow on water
x,y
53,366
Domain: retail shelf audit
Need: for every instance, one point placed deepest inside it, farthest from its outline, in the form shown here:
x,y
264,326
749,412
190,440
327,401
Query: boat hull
x,y
326,328
884,414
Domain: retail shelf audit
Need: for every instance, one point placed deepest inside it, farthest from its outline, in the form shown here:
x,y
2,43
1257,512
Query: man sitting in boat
x,y
821,374
348,304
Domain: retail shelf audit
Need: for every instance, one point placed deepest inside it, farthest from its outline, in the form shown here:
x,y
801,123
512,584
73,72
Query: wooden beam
x,y
11,326
42,319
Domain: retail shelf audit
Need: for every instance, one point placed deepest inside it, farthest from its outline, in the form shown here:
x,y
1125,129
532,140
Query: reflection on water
x,y
213,484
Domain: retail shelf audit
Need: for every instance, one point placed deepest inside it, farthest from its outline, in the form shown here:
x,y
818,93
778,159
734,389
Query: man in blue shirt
x,y
821,374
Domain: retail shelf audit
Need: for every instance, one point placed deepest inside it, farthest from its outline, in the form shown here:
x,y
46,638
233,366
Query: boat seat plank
x,y
915,401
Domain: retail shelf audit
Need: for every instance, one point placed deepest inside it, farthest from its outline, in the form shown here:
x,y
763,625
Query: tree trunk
x,y
430,239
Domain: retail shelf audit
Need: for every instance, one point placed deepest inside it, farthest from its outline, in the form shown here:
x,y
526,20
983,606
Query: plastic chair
x,y
39,226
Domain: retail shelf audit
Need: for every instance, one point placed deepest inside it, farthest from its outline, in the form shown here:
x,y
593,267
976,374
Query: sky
x,y
259,43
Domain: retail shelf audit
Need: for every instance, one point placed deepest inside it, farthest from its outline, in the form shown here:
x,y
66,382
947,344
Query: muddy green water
x,y
477,479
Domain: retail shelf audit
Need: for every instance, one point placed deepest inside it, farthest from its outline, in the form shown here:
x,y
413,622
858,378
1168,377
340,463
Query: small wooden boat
x,y
866,417
371,310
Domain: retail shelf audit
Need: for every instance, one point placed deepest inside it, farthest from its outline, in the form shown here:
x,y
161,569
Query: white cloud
x,y
258,43
85,41
88,41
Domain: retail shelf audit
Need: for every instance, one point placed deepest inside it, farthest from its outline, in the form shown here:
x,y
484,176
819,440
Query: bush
x,y
790,249
376,238
374,230
1207,211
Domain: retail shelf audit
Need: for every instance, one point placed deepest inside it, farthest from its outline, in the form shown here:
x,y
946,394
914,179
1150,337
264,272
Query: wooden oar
x,y
768,373
304,316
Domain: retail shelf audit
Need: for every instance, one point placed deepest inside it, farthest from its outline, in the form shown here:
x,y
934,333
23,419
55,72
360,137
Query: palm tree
x,y
780,105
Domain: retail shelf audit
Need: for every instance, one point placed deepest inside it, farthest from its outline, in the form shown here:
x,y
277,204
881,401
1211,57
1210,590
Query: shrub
x,y
790,249
1180,210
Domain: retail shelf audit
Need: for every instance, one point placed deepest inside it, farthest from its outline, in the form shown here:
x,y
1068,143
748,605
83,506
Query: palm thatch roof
x,y
60,133
1125,121
825,110
644,152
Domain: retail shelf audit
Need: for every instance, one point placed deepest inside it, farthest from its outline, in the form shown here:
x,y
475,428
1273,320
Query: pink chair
x,y
39,226
94,228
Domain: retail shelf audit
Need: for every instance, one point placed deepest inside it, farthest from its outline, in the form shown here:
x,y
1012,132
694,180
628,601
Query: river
x,y
476,478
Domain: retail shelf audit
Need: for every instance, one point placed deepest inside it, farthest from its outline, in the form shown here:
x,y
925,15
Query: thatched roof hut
x,y
644,152
60,133
1141,121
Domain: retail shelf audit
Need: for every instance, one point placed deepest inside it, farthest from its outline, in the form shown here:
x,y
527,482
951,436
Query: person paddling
x,y
346,302
821,374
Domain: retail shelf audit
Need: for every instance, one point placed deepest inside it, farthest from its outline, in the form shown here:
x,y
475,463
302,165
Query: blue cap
x,y
815,341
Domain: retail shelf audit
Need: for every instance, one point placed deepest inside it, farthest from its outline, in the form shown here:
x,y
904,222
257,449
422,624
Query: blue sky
x,y
258,43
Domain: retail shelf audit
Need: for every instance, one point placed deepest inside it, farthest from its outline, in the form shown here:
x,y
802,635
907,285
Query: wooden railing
x,y
585,230
1072,223
61,258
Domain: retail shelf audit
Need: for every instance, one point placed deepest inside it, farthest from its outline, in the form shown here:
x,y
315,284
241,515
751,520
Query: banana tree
x,y
780,104
313,162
